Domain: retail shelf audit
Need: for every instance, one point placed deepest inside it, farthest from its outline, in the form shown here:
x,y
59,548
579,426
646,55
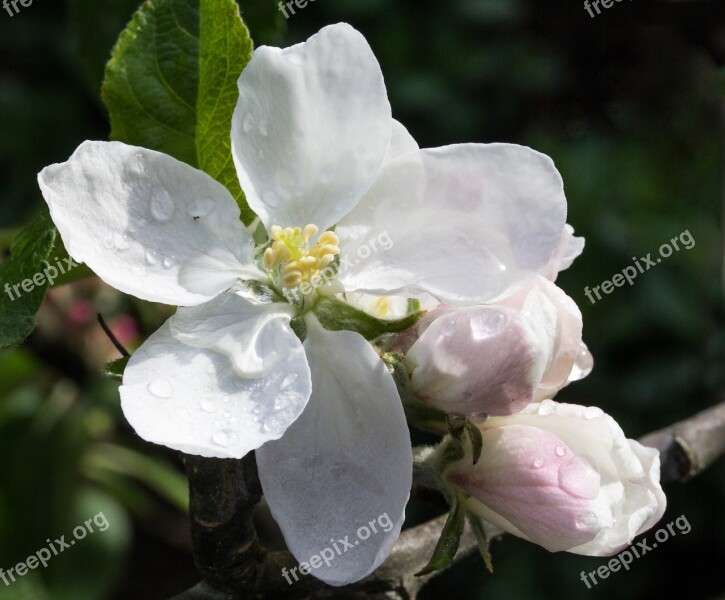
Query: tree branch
x,y
235,565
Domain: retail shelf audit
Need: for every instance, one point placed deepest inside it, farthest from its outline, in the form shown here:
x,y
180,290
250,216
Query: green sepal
x,y
479,531
337,315
115,368
447,546
463,430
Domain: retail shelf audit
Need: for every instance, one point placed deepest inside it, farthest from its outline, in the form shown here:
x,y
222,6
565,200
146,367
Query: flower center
x,y
295,261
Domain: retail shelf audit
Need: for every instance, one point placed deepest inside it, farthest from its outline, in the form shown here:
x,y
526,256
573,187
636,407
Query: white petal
x,y
401,142
255,337
193,400
468,223
569,248
346,462
138,217
311,128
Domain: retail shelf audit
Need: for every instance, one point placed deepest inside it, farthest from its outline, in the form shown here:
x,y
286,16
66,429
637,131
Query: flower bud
x,y
496,359
565,477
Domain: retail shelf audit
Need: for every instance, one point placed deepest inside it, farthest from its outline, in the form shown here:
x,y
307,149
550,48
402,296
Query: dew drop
x,y
266,427
486,324
162,208
289,380
120,241
151,257
161,388
538,462
248,123
220,439
587,520
271,198
560,451
201,207
327,173
448,327
168,262
479,417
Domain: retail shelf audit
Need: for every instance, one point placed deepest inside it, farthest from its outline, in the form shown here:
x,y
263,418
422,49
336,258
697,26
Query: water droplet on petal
x,y
479,417
538,462
161,388
327,173
271,198
587,520
448,327
289,380
162,208
120,241
168,262
220,439
201,207
151,257
266,427
560,451
486,324
248,123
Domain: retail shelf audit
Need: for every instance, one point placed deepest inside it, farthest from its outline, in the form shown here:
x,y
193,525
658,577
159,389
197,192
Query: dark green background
x,y
630,106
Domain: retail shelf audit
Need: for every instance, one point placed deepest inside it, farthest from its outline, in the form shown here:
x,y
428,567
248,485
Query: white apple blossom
x,y
564,477
314,146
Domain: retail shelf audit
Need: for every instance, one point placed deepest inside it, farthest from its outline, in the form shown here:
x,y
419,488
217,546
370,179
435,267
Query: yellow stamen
x,y
292,256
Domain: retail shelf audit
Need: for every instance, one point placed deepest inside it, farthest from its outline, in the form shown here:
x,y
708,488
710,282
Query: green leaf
x,y
171,84
115,369
337,315
28,259
447,546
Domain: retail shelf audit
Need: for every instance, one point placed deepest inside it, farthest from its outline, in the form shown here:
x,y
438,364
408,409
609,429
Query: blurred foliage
x,y
630,106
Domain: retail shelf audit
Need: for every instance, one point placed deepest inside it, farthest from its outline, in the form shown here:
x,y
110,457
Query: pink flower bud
x,y
496,359
565,477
